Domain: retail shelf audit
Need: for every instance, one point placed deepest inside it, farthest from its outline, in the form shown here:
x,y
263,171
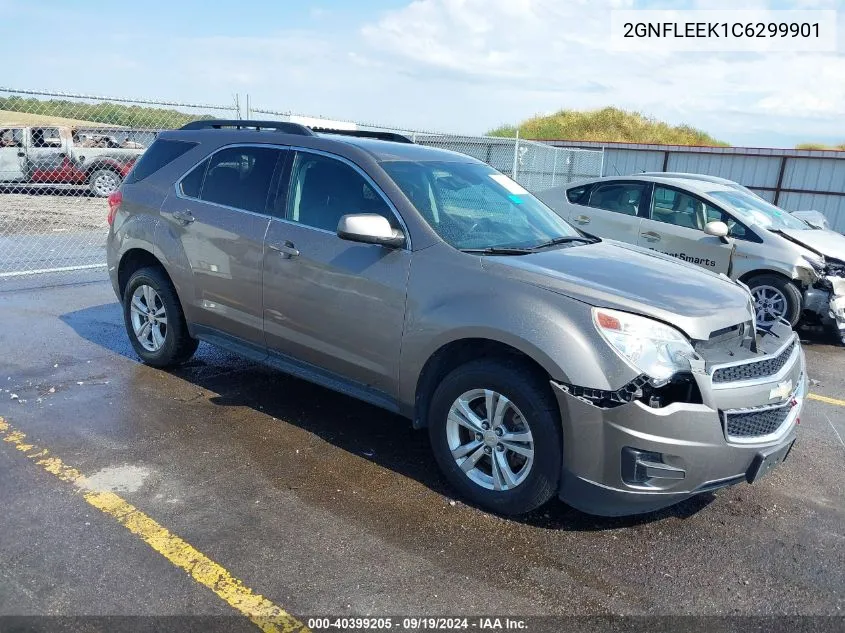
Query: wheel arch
x,y
133,260
745,277
457,352
102,163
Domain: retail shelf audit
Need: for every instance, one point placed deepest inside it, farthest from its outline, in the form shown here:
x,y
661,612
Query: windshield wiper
x,y
566,240
498,250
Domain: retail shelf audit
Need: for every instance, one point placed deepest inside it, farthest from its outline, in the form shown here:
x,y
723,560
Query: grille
x,y
756,369
756,423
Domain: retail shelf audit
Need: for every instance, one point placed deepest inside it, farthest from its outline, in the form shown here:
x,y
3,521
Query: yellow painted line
x,y
266,615
815,396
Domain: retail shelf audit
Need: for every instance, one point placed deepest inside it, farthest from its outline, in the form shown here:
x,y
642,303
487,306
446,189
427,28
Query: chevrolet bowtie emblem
x,y
782,391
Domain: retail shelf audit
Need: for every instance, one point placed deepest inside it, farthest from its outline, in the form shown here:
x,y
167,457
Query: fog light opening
x,y
641,468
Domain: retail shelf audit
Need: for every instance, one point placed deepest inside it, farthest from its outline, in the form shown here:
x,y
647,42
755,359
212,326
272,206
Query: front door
x,y
676,227
613,210
11,155
47,154
336,305
220,218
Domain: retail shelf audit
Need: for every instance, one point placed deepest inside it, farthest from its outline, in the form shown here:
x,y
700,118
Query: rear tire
x,y
774,294
103,182
154,319
528,410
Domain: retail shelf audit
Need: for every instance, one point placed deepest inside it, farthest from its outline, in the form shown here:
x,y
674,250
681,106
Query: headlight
x,y
651,347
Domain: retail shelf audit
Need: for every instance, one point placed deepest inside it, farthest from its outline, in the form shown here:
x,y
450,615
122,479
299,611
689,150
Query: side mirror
x,y
716,229
369,228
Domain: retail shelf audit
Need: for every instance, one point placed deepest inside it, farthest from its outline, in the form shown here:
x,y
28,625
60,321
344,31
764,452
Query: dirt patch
x,y
28,214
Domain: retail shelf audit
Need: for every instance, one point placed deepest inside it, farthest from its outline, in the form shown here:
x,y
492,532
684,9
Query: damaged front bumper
x,y
639,456
824,303
824,298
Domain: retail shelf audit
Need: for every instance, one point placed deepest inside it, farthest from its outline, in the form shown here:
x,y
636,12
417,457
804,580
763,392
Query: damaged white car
x,y
794,270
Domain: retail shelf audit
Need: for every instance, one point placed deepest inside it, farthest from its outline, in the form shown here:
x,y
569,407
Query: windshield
x,y
473,206
754,210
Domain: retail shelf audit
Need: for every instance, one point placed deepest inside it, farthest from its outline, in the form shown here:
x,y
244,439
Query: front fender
x,y
555,331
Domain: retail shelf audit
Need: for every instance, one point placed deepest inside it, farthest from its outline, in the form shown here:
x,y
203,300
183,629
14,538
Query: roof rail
x,y
382,136
240,124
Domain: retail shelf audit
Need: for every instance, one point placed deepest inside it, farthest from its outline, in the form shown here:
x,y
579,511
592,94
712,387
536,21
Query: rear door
x,y
11,154
613,210
334,304
676,227
219,213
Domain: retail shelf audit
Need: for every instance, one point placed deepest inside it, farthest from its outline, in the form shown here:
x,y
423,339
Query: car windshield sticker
x,y
512,187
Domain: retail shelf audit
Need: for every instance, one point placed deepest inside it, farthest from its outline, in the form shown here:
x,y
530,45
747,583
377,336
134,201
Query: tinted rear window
x,y
159,154
240,177
192,183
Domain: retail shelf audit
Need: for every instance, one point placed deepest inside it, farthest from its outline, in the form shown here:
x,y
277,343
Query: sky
x,y
462,66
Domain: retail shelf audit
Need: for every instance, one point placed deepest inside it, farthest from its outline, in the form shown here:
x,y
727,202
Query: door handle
x,y
286,250
651,236
582,219
184,217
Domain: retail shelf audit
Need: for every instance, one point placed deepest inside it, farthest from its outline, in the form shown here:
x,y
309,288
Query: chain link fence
x,y
60,157
62,154
536,166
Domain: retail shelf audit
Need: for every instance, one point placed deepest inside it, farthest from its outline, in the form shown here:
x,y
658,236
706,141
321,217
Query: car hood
x,y
615,275
828,243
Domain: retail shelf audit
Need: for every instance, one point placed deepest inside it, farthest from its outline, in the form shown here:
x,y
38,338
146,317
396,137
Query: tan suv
x,y
543,362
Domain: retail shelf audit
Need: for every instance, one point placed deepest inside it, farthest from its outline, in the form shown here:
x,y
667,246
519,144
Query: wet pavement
x,y
326,505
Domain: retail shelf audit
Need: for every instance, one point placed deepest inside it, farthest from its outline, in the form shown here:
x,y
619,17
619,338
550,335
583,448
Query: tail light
x,y
115,200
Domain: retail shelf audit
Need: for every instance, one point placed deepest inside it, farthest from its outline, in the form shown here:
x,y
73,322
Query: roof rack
x,y
240,124
382,136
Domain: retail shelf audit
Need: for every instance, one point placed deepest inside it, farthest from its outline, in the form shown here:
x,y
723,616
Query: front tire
x,y
775,297
154,320
495,432
104,182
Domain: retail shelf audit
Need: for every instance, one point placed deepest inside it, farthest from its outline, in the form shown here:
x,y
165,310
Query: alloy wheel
x,y
490,439
149,318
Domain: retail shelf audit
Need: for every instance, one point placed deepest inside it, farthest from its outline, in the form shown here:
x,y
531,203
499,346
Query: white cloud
x,y
559,49
456,65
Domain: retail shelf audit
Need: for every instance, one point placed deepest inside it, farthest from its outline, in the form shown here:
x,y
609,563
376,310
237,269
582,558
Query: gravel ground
x,y
45,213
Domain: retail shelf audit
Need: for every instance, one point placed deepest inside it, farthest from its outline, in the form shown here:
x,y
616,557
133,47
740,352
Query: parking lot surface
x,y
327,506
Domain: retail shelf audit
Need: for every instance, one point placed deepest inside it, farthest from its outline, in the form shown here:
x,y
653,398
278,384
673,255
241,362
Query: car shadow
x,y
817,336
364,430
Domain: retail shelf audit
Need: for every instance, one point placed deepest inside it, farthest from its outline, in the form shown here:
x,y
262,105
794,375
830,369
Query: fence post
x,y
601,167
779,184
554,168
515,156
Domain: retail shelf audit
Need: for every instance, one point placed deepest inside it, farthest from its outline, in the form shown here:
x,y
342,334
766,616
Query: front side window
x,y
240,177
622,198
473,206
324,189
680,208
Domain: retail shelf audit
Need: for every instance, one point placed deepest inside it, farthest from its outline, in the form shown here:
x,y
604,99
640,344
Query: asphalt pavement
x,y
324,505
